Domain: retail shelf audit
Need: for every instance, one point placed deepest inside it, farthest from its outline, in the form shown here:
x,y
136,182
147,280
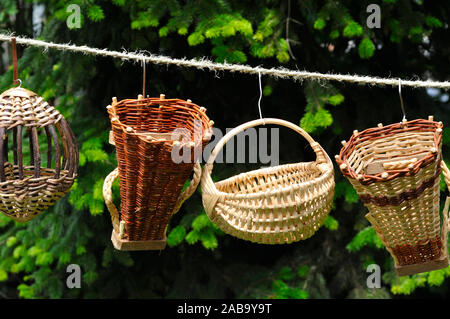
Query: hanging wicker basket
x,y
28,189
274,205
395,170
146,133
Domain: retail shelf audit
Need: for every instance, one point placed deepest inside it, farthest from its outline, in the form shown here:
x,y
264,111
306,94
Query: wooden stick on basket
x,y
273,205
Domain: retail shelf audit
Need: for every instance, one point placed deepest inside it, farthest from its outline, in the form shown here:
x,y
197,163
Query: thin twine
x,y
260,97
401,99
203,63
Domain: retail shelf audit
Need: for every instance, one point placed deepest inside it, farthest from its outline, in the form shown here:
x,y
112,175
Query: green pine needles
x,y
323,36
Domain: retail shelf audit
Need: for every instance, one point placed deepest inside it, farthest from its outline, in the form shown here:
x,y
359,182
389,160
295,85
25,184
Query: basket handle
x,y
190,189
446,173
321,156
445,212
107,195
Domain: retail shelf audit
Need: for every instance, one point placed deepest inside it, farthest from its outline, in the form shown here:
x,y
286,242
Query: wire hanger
x,y
143,76
401,99
260,97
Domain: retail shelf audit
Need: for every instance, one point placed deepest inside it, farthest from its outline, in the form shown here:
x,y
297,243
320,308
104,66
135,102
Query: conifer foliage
x,y
200,261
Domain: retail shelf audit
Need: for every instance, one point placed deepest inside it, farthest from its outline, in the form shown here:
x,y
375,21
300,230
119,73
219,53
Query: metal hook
x,y
260,97
401,99
20,83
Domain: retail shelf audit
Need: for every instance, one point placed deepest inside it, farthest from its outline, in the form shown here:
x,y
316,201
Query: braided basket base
x,y
23,200
134,245
423,267
408,254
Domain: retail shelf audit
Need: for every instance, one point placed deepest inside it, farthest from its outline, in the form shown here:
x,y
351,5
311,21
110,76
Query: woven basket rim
x,y
264,169
392,129
143,136
207,126
291,187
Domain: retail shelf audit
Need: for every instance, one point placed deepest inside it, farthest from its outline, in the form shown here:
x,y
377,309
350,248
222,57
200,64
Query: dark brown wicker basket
x,y
150,181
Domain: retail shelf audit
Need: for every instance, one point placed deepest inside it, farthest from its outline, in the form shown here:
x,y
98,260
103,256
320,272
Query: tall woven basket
x,y
395,170
274,205
147,134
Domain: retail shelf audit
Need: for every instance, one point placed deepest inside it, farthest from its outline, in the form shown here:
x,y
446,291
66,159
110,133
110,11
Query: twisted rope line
x,y
203,63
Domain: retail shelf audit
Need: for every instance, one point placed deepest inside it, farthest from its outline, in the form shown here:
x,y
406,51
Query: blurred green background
x,y
200,261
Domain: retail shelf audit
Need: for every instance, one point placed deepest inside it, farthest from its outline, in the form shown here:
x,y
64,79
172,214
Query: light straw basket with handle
x,y
395,170
273,205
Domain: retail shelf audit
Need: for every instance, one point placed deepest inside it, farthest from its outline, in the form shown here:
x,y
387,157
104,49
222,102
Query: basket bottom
x,y
422,267
134,245
418,254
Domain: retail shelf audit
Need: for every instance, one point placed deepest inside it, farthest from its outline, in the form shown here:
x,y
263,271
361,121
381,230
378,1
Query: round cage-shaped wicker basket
x,y
158,144
27,189
274,205
395,170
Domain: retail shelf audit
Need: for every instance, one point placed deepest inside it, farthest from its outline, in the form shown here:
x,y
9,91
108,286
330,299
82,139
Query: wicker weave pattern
x,y
390,142
26,191
35,195
403,200
274,205
23,107
150,182
107,194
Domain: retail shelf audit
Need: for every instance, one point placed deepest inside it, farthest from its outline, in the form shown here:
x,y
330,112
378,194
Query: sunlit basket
x,y
28,189
273,205
145,131
395,170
